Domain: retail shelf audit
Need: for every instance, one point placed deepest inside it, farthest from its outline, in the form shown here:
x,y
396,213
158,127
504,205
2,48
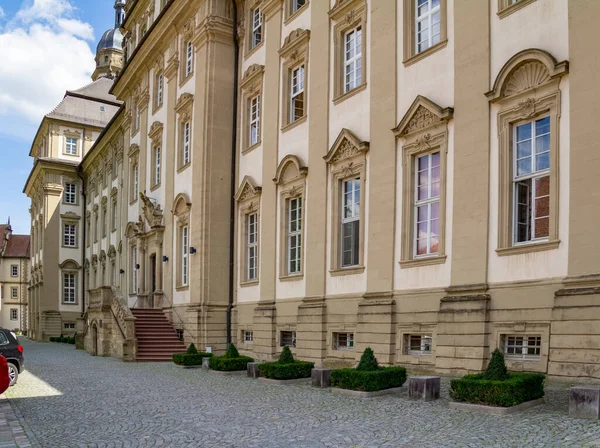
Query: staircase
x,y
156,337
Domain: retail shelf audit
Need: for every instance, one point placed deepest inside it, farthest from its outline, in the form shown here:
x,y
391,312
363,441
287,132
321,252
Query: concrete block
x,y
321,377
283,382
424,387
584,402
205,363
483,409
252,369
362,394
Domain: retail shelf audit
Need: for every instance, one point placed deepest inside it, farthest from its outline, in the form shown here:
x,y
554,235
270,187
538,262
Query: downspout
x,y
83,245
233,172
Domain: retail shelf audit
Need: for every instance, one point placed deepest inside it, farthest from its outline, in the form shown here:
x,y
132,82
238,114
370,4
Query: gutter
x,y
233,173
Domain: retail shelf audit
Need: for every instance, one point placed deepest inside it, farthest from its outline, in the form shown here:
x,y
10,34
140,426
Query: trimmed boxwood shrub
x,y
231,361
287,368
191,357
368,376
517,389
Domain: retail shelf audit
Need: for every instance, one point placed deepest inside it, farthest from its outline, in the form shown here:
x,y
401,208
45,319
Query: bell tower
x,y
109,52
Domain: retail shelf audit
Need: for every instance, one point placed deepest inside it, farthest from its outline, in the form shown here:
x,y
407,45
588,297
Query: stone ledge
x,y
284,382
199,366
230,373
483,409
363,394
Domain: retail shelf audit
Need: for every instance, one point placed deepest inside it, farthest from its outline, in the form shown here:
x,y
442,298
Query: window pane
x,y
542,161
523,149
524,132
542,126
523,166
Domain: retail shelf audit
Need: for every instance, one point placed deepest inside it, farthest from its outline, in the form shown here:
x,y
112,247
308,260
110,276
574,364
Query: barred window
x,y
287,338
418,344
523,347
343,341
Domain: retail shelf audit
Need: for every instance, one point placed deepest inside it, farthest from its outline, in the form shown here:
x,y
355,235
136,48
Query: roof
x,y
111,40
78,109
17,247
96,90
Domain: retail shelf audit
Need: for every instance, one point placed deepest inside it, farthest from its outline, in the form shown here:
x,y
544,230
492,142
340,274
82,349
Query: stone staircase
x,y
156,337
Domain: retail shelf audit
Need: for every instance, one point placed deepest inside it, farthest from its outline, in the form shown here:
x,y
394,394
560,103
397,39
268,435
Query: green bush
x,y
286,356
72,340
368,362
187,359
231,352
288,371
369,380
496,369
192,350
224,364
64,339
52,339
516,389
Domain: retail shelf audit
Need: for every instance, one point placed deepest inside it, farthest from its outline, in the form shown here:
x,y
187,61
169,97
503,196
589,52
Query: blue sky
x,y
46,47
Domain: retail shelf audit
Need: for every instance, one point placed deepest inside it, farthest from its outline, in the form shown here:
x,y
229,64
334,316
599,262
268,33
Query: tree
x,y
368,360
232,352
191,350
286,356
496,369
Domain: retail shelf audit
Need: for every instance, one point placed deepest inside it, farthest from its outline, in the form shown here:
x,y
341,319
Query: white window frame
x,y
353,64
134,269
69,326
185,249
189,58
294,227
14,314
510,341
427,18
254,113
293,336
296,5
354,203
186,129
425,342
14,293
248,337
14,270
297,79
157,158
69,235
69,287
159,89
252,247
70,193
71,144
256,22
429,202
340,337
137,116
531,176
115,209
135,182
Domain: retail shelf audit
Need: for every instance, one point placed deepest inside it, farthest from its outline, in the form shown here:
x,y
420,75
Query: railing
x,y
122,314
180,319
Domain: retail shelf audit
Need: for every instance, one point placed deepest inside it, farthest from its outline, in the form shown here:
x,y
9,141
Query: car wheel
x,y
13,373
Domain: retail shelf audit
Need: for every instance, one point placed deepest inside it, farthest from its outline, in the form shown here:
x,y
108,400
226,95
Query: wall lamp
x,y
137,266
121,271
192,250
165,258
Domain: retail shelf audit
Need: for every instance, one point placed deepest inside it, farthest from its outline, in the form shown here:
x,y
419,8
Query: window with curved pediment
x,y
527,93
347,171
248,198
181,214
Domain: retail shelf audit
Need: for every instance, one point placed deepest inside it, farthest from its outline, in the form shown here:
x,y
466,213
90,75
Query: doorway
x,y
153,274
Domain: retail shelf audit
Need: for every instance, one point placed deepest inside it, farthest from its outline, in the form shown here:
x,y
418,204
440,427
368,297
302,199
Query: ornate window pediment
x,y
346,146
296,41
71,265
421,115
290,169
133,149
156,131
182,207
247,190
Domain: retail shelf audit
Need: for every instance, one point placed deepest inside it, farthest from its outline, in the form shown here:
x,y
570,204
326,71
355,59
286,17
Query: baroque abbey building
x,y
416,176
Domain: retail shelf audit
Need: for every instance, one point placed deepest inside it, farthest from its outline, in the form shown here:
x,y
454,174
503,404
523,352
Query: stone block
x,y
321,377
205,363
584,402
252,369
424,387
363,394
483,409
283,382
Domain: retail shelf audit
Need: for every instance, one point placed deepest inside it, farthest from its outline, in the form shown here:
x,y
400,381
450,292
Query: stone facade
x,y
14,278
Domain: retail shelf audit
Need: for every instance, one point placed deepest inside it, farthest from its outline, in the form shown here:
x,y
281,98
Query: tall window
x,y
296,5
69,236
160,80
428,18
70,193
522,346
135,183
184,255
297,94
427,204
185,156
14,293
189,58
531,181
14,314
350,233
134,270
254,120
252,246
69,287
353,59
157,165
256,27
294,236
71,146
114,214
96,230
136,123
14,270
104,221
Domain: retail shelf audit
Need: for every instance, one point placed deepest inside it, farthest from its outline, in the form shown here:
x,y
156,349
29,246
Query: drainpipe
x,y
233,172
83,245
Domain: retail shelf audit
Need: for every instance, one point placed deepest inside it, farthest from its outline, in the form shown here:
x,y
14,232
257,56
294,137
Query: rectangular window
x,y
189,58
353,59
14,293
96,230
159,89
523,347
71,146
115,168
157,165
287,338
343,341
418,344
134,270
14,270
297,94
252,246
427,204
69,288
248,337
296,5
350,233
134,191
531,181
88,232
428,17
254,120
114,214
70,194
184,255
185,154
104,222
136,123
256,27
294,236
69,326
14,314
69,236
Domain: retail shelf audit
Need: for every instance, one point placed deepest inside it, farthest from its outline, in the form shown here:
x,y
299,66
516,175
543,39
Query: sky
x,y
46,48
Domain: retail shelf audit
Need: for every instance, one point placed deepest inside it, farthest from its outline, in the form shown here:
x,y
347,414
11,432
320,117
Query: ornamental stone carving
x,y
422,118
152,213
346,146
247,190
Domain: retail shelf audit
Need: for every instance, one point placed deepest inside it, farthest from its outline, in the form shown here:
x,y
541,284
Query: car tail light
x,y
20,348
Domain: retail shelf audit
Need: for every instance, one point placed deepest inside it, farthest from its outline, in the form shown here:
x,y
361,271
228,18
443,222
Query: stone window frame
x,y
182,207
131,236
248,198
290,180
69,218
250,50
293,53
96,222
69,267
114,209
136,111
526,88
156,137
424,129
159,70
70,182
409,18
405,330
184,111
14,312
77,136
348,15
347,159
134,162
251,86
14,290
88,233
500,330
12,270
187,38
505,8
286,328
333,340
291,15
104,206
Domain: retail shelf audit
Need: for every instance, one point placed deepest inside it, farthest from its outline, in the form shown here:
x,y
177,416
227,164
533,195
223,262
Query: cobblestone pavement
x,y
67,398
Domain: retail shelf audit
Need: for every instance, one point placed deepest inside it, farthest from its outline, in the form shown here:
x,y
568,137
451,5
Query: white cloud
x,y
2,15
44,52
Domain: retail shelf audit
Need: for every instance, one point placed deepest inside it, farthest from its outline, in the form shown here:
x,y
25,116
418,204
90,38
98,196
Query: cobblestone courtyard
x,y
67,398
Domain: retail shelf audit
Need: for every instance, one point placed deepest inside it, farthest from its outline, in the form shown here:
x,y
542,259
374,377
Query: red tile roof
x,y
17,247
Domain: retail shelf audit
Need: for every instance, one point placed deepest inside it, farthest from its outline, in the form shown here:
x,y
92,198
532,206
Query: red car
x,y
4,378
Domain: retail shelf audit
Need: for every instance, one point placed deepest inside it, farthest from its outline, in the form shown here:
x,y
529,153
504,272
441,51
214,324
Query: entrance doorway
x,y
153,274
94,340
